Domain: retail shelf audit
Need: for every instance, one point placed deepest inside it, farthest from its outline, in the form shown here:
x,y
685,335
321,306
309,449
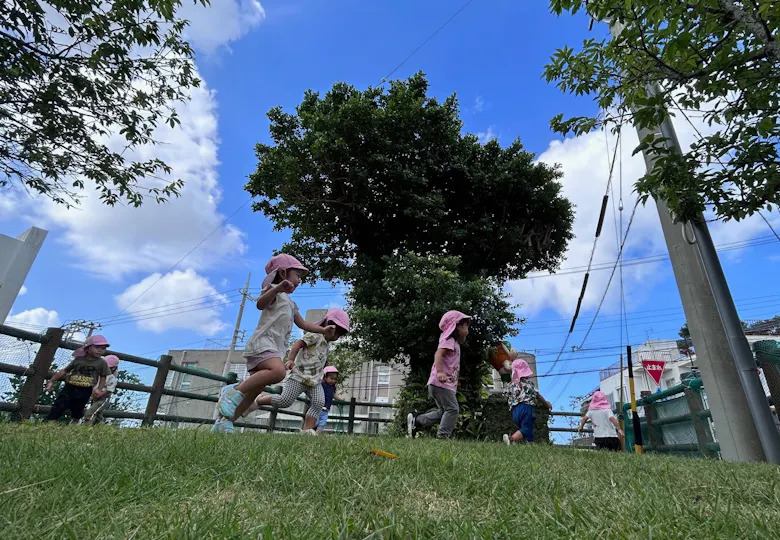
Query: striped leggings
x,y
292,389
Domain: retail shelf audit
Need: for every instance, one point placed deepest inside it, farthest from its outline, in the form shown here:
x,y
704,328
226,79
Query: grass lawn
x,y
80,483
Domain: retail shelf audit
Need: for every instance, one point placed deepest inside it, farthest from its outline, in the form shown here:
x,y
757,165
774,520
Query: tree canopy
x,y
717,58
368,174
81,83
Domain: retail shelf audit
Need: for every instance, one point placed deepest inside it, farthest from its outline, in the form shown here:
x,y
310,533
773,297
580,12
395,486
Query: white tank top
x,y
273,328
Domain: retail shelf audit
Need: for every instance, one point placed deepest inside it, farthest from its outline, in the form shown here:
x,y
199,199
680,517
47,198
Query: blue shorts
x,y
321,421
524,416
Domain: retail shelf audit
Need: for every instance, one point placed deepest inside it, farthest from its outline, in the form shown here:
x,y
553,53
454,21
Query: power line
x,y
190,252
599,225
424,43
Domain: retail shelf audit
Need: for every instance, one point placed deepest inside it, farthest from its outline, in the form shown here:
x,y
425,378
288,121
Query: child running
x,y
306,362
101,396
606,431
268,343
522,396
86,371
443,381
329,375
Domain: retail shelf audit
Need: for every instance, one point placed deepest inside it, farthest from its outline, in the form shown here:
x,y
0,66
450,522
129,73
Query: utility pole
x,y
237,330
80,325
745,429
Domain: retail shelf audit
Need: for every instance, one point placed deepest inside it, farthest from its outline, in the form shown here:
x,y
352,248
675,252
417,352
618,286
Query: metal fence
x,y
27,361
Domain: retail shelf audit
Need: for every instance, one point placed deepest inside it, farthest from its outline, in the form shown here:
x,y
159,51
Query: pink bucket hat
x,y
449,321
91,340
280,262
599,401
520,370
112,361
329,369
338,316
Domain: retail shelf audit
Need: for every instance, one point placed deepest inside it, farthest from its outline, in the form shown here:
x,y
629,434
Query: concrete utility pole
x,y
743,421
237,330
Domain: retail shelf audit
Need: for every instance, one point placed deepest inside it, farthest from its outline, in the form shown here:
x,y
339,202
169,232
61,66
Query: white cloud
x,y
220,23
38,318
23,291
585,165
112,242
154,311
479,104
486,136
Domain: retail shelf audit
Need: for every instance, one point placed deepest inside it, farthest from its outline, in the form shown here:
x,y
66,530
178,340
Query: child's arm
x,y
303,324
585,420
269,295
617,426
101,384
539,396
297,346
438,361
58,376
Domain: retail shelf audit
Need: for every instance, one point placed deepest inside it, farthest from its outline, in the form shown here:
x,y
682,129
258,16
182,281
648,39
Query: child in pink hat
x,y
264,350
522,396
443,381
606,430
85,373
306,363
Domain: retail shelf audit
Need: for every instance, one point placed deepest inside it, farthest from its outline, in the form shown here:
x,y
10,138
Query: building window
x,y
169,379
186,379
240,370
670,382
383,392
383,376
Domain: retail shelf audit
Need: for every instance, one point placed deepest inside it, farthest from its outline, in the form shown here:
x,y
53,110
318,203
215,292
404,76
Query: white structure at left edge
x,y
17,256
677,364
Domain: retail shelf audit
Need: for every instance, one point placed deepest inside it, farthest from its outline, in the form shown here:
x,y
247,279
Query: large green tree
x,y
383,190
76,73
719,58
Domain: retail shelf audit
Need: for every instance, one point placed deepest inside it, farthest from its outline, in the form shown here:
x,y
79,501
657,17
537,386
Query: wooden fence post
x,y
351,422
33,384
700,425
157,390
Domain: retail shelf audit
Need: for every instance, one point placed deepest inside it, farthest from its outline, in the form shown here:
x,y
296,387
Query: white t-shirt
x,y
273,328
602,427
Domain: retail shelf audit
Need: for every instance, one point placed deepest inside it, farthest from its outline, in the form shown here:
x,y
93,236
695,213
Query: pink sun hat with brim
x,y
112,361
599,401
280,262
520,370
91,340
329,369
337,316
449,321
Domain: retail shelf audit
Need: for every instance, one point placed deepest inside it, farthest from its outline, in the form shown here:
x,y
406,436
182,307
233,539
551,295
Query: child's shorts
x,y
524,417
322,420
253,362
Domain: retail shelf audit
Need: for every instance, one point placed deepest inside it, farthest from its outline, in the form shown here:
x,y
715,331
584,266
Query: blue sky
x,y
253,56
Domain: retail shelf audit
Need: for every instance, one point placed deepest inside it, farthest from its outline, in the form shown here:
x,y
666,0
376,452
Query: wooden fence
x,y
50,341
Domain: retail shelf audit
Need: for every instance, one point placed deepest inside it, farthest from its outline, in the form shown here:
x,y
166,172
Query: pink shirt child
x,y
451,363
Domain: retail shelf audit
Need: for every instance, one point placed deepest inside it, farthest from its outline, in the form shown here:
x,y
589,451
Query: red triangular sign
x,y
655,368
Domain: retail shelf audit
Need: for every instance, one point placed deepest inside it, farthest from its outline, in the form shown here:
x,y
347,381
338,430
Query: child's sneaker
x,y
222,425
506,440
229,400
309,432
410,425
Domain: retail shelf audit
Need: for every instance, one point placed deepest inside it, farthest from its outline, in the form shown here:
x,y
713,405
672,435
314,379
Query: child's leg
x,y
59,406
270,372
94,414
446,400
434,415
523,416
322,421
78,403
317,401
